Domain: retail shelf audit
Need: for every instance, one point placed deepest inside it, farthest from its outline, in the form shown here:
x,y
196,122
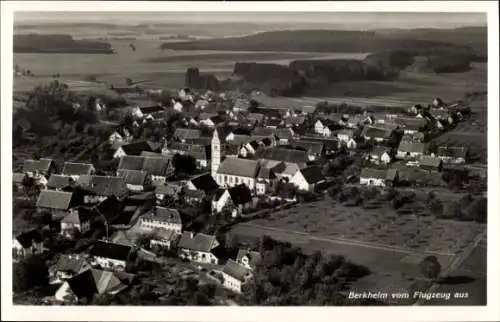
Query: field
x,y
391,245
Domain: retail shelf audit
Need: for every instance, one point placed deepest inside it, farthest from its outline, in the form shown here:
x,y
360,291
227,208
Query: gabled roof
x,y
204,182
97,281
136,148
315,147
240,194
253,257
72,168
429,161
255,117
236,270
58,181
105,185
70,263
413,147
376,132
199,152
110,207
80,215
452,151
133,177
183,134
312,174
18,177
57,200
27,238
373,173
263,132
239,139
131,162
110,250
42,165
156,166
379,151
287,155
265,173
198,242
167,215
239,167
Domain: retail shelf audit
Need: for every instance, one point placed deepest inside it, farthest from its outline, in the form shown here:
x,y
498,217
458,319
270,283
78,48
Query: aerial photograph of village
x,y
249,159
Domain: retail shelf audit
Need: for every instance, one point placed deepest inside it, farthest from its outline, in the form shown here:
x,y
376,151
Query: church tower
x,y
216,154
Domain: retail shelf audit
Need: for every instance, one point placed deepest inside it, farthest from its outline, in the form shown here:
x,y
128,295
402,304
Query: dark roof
x,y
71,168
97,281
133,177
218,193
27,238
263,132
106,186
373,173
110,250
57,200
242,131
83,285
199,152
312,174
204,182
287,155
198,242
131,162
376,132
240,194
379,150
236,270
253,257
42,165
183,134
239,167
151,109
265,173
169,215
70,263
310,146
58,181
110,207
411,147
136,148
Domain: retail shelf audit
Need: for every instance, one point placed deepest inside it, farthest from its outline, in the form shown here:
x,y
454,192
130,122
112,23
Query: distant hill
x,y
34,43
469,40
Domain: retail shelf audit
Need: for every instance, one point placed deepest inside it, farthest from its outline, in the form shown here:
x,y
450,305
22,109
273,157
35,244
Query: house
x,y
413,137
295,121
161,238
284,135
101,187
43,166
135,148
283,170
355,120
75,170
157,167
235,276
119,136
26,244
109,209
193,196
378,177
198,247
411,124
78,220
170,189
124,237
58,203
345,135
430,163
288,155
452,154
266,181
411,150
314,149
177,106
90,283
201,153
162,218
235,200
183,134
135,180
308,178
68,266
241,105
255,118
378,134
204,182
248,258
322,128
234,171
211,120
201,104
380,155
59,182
237,139
249,149
109,255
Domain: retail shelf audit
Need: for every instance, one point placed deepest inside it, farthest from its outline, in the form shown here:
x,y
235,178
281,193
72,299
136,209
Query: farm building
x,y
378,177
308,178
411,150
430,163
452,154
378,134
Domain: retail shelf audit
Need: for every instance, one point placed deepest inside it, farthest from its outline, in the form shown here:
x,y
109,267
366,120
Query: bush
x,y
430,267
29,273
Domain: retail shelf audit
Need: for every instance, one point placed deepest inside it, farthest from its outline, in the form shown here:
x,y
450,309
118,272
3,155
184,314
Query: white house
x,y
235,276
234,199
235,171
78,219
68,266
178,106
345,135
26,244
307,178
110,255
378,177
162,218
322,129
380,155
248,258
198,247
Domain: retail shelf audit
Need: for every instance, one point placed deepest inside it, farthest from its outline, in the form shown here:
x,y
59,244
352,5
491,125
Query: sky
x,y
354,19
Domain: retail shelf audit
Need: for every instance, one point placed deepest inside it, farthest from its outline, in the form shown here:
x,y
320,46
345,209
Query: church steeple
x,y
216,154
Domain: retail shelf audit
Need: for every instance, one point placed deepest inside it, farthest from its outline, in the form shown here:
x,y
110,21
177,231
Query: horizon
x,y
363,20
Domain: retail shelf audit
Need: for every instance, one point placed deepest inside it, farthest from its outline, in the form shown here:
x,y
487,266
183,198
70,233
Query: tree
x,y
184,164
30,187
430,267
29,273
